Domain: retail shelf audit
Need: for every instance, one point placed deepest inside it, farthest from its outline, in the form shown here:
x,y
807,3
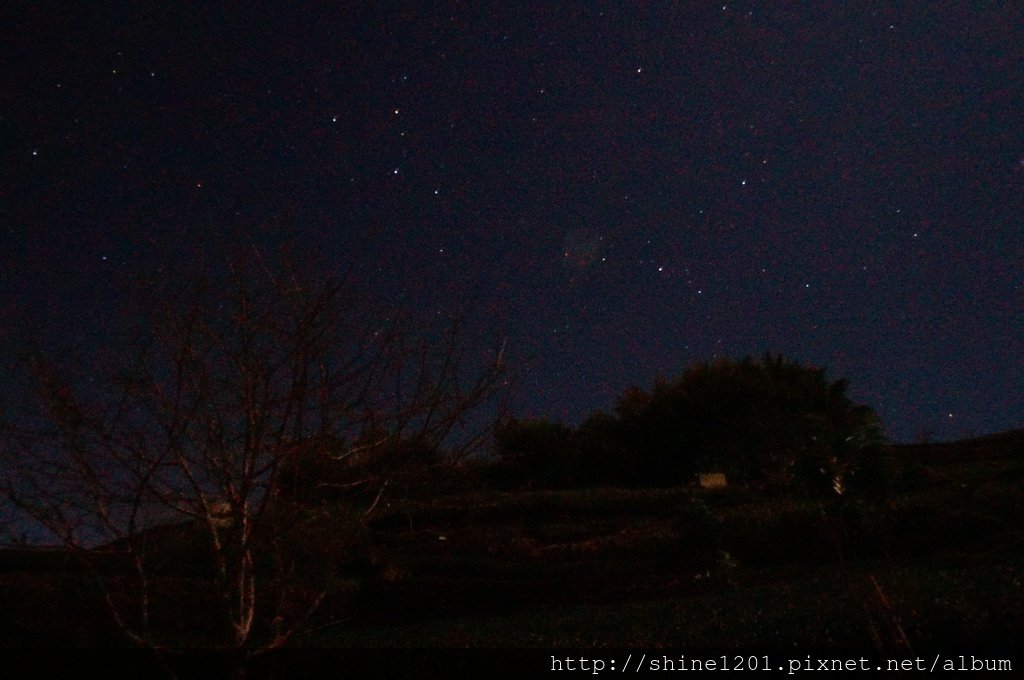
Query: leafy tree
x,y
236,403
767,419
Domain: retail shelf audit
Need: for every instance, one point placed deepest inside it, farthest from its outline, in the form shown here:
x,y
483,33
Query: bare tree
x,y
203,425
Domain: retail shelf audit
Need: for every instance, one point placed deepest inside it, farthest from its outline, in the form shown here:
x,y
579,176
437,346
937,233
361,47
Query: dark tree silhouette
x,y
237,399
767,419
535,452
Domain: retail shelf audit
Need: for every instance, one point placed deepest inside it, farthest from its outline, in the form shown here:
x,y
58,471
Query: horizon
x,y
16,534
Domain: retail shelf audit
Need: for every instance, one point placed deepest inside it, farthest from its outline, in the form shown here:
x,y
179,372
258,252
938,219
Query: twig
x,y
377,499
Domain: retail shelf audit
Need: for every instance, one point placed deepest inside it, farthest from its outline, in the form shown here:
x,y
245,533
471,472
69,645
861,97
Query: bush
x,y
323,468
769,419
536,452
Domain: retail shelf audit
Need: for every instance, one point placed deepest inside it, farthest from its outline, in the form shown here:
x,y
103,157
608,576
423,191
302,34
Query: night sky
x,y
622,188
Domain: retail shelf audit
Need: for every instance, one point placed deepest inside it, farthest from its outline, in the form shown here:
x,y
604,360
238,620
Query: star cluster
x,y
622,190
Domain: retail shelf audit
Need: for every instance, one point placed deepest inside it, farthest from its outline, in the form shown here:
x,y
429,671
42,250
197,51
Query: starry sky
x,y
622,189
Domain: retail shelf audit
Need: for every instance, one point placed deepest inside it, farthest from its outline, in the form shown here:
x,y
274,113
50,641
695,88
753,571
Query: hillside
x,y
937,562
989,447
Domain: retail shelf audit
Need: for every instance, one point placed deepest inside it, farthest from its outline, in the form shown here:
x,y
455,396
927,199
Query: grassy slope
x,y
939,563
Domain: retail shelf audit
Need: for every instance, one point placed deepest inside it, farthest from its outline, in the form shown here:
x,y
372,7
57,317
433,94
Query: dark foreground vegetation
x,y
934,562
269,466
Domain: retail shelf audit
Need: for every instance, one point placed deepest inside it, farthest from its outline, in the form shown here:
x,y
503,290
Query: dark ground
x,y
937,564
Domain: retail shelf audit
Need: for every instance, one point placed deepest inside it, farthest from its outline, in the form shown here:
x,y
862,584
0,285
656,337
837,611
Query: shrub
x,y
536,452
768,419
